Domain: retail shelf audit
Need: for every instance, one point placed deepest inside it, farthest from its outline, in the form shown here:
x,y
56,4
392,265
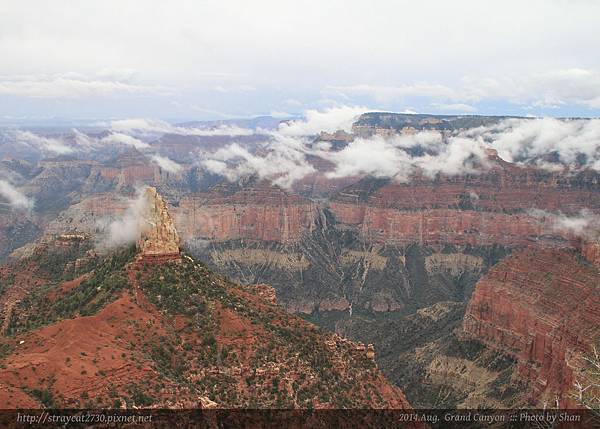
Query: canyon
x,y
446,276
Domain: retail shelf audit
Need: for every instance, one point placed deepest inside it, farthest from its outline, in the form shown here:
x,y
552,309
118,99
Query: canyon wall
x,y
543,308
265,214
439,226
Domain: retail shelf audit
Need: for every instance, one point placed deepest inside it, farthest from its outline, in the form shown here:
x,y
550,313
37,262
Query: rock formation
x,y
159,238
542,308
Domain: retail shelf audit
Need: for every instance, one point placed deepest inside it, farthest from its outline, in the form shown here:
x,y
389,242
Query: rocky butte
x,y
158,237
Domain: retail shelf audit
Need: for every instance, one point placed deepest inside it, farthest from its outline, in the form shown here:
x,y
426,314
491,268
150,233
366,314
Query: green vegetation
x,y
90,296
55,262
287,343
44,396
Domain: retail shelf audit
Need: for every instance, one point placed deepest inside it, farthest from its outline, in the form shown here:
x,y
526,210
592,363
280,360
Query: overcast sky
x,y
219,59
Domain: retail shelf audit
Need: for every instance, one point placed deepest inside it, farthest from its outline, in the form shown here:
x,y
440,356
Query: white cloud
x,y
79,142
584,225
44,144
390,93
166,163
153,126
329,120
120,138
15,198
70,86
527,140
381,157
283,160
283,163
410,49
544,89
548,88
127,228
376,156
454,107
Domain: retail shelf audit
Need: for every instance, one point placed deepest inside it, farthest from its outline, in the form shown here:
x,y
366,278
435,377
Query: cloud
x,y
546,143
166,163
376,157
548,88
125,139
329,120
383,94
454,107
71,86
43,144
127,228
79,142
144,50
15,198
283,163
528,140
285,158
541,89
382,157
153,126
585,225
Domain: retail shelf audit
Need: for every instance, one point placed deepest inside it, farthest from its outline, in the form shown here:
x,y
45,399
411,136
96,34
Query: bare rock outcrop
x,y
540,307
159,238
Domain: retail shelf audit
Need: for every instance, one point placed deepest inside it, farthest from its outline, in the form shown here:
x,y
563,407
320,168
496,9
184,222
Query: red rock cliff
x,y
543,308
439,226
267,214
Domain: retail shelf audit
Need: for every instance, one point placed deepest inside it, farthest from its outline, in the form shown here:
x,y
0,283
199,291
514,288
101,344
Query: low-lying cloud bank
x,y
585,225
285,158
15,198
46,145
80,143
527,140
382,157
151,126
547,143
328,120
288,154
77,142
166,164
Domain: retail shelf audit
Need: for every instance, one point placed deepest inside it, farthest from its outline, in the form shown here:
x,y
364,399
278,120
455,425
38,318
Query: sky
x,y
184,60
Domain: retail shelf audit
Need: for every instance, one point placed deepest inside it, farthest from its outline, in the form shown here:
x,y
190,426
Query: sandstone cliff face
x,y
439,226
506,188
257,213
159,237
543,308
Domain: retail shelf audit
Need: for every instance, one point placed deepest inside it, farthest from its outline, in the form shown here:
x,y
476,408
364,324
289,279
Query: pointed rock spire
x,y
159,237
